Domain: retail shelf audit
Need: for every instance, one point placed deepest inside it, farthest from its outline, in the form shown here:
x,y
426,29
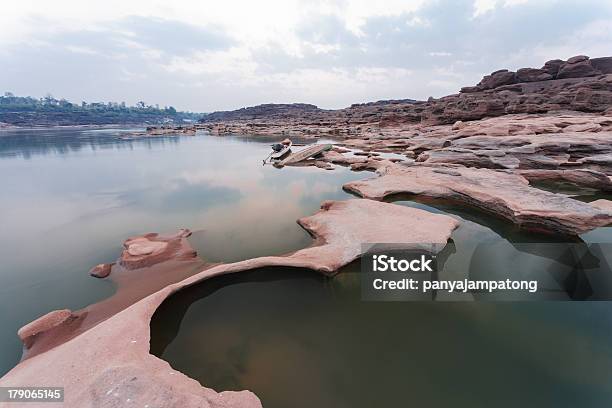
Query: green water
x,y
70,197
297,339
301,340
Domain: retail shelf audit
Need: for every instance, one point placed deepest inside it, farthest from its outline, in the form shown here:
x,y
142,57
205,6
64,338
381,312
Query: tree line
x,y
24,110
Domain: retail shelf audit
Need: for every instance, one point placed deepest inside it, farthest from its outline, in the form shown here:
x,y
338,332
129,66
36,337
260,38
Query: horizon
x,y
330,54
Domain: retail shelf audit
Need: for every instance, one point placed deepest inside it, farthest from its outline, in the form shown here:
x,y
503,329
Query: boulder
x,y
101,270
577,67
577,58
604,64
44,323
552,66
532,75
150,249
497,78
603,204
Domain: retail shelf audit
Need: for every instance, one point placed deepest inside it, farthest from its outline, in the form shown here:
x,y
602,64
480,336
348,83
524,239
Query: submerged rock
x,y
110,363
150,249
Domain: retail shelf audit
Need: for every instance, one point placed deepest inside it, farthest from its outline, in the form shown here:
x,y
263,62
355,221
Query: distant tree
x,y
51,110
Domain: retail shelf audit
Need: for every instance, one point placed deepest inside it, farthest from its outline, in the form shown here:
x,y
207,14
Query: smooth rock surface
x,y
502,193
150,249
110,365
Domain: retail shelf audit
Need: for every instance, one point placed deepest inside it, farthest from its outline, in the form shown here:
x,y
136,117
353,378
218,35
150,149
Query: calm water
x,y
70,197
301,340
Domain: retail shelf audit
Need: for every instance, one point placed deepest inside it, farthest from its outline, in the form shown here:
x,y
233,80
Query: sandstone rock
x,y
150,249
583,127
552,66
532,75
338,158
44,323
101,270
497,78
458,125
577,67
577,58
501,193
110,363
580,177
604,64
470,89
602,204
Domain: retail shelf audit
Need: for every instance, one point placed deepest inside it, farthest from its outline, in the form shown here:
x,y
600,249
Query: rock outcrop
x,y
101,270
500,193
579,84
109,365
150,249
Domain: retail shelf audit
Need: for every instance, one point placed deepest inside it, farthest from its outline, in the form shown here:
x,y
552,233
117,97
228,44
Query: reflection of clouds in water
x,y
177,195
244,177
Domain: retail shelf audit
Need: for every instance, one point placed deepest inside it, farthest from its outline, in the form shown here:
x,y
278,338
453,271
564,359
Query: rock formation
x,y
481,148
101,270
110,365
150,249
498,192
578,84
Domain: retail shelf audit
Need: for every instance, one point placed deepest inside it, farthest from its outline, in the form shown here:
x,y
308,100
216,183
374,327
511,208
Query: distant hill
x,y
276,110
48,111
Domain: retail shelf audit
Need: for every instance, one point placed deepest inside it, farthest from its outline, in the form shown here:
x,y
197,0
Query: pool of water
x,y
70,197
299,339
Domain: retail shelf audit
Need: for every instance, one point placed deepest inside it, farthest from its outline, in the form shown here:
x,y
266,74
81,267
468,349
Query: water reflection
x,y
298,339
71,196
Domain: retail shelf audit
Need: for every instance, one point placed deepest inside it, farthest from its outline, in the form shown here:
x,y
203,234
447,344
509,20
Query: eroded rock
x,y
101,270
498,192
150,249
110,363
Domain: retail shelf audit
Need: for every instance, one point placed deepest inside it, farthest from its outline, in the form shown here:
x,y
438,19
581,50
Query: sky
x,y
204,56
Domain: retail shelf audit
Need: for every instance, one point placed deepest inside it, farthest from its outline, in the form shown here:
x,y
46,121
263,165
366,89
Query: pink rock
x,y
150,249
497,78
603,204
532,75
577,58
498,192
101,270
110,363
578,68
44,323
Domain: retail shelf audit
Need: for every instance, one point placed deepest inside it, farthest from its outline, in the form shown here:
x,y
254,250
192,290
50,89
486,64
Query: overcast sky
x,y
205,56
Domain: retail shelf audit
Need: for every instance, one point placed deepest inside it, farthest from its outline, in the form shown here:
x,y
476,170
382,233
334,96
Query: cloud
x,y
206,56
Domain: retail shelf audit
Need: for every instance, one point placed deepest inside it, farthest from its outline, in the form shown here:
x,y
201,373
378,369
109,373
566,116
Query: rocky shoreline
x,y
484,147
109,363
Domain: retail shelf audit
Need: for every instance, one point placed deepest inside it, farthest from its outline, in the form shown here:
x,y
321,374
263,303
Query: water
x,y
70,197
299,339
